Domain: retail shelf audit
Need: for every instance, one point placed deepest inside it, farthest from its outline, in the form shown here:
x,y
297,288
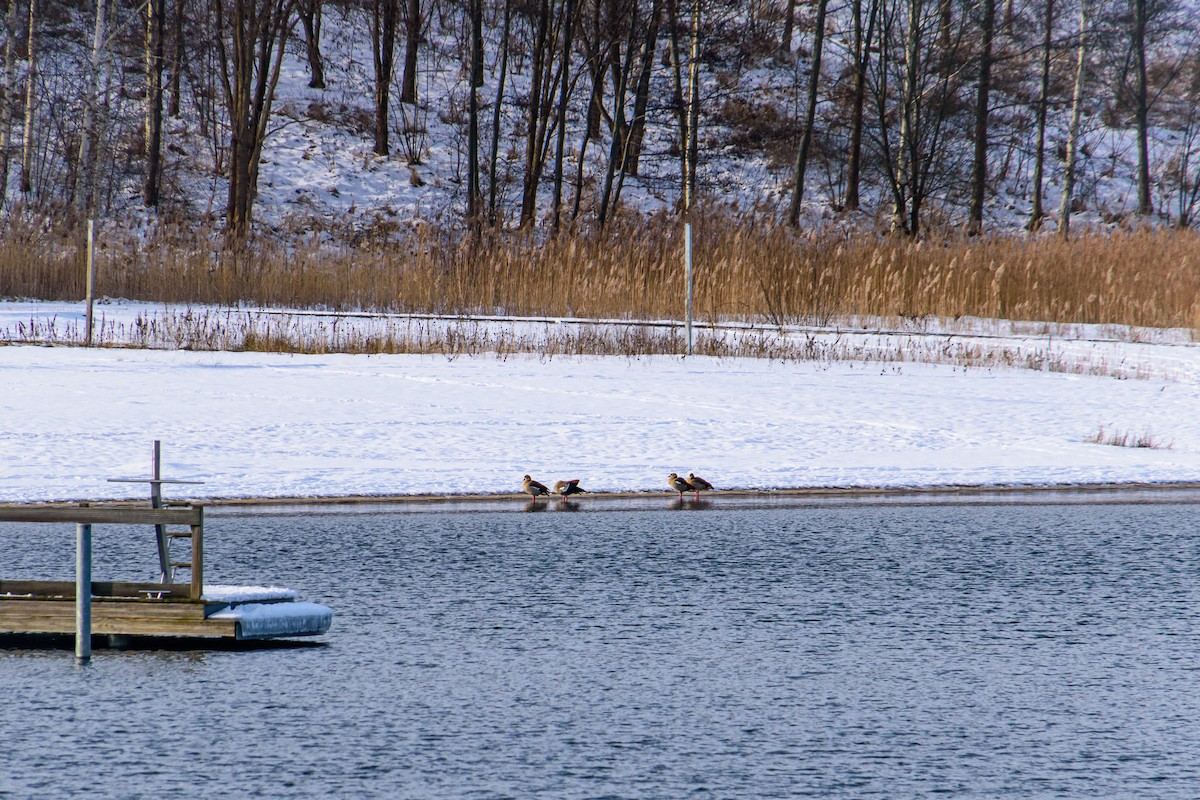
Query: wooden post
x,y
687,249
198,554
83,591
91,283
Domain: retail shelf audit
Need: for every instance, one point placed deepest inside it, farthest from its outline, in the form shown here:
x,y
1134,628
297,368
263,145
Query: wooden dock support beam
x,y
83,591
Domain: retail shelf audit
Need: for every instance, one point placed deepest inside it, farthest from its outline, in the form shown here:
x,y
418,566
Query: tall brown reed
x,y
749,270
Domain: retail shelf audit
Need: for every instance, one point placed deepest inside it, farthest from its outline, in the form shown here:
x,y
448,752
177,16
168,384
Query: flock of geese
x,y
564,489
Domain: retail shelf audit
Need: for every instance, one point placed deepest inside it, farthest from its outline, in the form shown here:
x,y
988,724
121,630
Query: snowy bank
x,y
279,425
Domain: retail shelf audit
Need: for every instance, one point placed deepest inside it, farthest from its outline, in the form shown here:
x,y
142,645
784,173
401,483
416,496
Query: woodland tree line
x,y
919,108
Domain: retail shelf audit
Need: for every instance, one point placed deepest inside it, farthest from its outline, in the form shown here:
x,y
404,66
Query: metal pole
x,y
687,249
160,531
91,282
83,591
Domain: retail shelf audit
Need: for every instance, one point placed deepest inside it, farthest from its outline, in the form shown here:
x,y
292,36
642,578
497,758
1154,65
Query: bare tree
x,y
1064,208
309,12
502,73
178,54
979,168
155,11
383,49
30,106
6,93
1039,149
861,38
810,115
563,94
412,40
1140,107
475,12
1077,103
251,35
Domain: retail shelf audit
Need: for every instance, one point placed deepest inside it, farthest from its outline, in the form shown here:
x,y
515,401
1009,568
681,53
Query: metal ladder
x,y
163,537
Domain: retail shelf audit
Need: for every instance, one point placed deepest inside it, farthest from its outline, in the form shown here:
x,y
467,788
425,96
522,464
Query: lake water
x,y
898,651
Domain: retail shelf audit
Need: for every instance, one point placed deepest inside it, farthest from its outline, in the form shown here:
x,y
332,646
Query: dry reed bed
x,y
211,329
744,271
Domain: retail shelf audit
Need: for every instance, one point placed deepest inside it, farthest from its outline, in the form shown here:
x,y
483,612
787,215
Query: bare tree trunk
x,y
473,197
1064,208
503,74
908,149
88,135
568,30
310,19
1039,152
677,101
861,53
533,142
979,167
810,116
1141,112
155,10
619,142
412,41
383,48
251,35
789,26
641,96
6,94
30,107
693,140
178,53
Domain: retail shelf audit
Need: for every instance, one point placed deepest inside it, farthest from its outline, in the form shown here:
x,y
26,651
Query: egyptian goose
x,y
532,488
678,484
698,484
565,488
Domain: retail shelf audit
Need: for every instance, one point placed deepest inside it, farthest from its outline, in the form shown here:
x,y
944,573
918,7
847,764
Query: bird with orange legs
x,y
532,488
567,488
698,484
678,484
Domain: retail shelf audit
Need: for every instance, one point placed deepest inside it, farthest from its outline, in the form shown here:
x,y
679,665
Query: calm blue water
x,y
862,651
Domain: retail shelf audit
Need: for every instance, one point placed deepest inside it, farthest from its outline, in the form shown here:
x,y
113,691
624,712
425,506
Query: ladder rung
x,y
179,535
187,564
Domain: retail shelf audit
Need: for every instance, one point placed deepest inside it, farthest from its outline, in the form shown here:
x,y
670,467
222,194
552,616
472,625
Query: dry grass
x,y
745,270
1115,437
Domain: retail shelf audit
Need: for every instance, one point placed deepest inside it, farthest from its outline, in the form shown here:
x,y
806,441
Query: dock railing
x,y
84,517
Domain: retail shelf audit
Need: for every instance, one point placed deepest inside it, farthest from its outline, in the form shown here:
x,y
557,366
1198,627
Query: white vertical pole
x,y
687,249
91,282
83,591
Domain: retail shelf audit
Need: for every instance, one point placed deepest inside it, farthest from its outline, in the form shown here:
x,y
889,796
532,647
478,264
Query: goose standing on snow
x,y
567,488
532,488
698,484
678,484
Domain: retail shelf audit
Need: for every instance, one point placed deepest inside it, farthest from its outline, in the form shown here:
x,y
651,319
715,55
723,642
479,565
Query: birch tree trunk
x,y
30,107
1064,208
88,135
6,94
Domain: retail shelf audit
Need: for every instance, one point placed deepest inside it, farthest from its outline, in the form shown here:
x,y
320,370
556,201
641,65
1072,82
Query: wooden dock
x,y
147,609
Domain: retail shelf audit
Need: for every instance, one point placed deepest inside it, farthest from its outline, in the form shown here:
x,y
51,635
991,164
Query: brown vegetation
x,y
744,271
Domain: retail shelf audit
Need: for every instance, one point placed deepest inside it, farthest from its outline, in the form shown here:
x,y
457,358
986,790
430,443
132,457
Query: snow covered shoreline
x,y
275,426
